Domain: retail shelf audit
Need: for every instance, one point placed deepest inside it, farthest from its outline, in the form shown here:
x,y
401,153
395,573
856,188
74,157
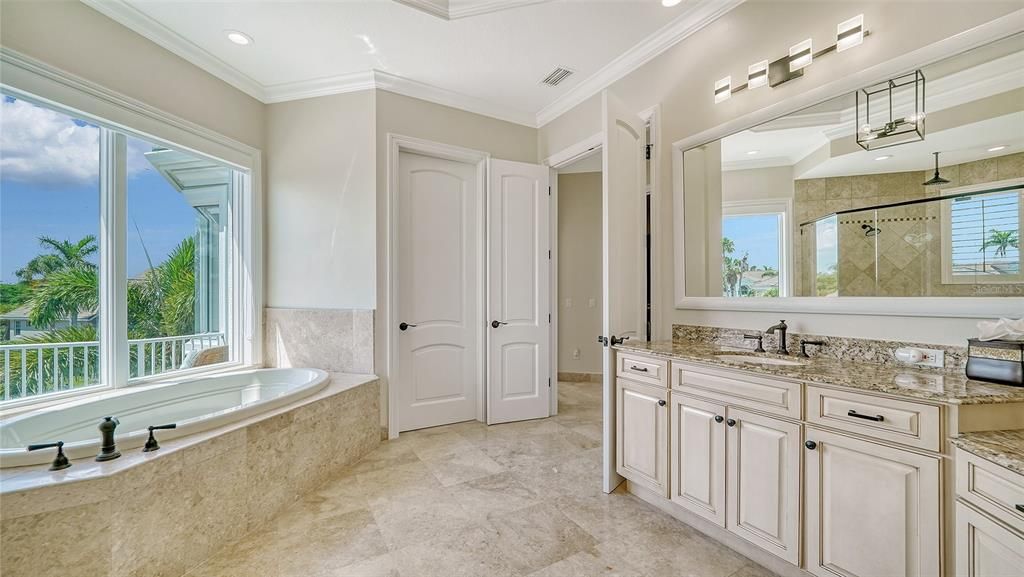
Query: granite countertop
x,y
1004,448
929,385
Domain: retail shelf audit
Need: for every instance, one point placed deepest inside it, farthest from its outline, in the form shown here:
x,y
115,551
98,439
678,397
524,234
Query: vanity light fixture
x,y
997,148
850,33
891,112
801,55
723,89
240,38
757,75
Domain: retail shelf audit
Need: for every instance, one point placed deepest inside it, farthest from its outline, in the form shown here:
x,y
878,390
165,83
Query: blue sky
x,y
49,167
755,234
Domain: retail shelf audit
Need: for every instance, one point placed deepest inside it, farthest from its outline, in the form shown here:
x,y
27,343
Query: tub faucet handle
x,y
151,444
60,461
108,448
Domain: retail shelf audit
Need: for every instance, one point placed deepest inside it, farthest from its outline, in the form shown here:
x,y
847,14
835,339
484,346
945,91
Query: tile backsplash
x,y
843,348
338,340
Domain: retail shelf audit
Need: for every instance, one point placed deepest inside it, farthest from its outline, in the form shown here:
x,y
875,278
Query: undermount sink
x,y
759,360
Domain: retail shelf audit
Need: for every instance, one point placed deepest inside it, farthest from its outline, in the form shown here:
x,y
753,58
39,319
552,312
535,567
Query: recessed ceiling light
x,y
997,148
753,152
885,157
670,3
240,38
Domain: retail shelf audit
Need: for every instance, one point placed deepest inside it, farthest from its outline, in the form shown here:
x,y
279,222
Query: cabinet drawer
x,y
907,423
642,369
991,488
738,388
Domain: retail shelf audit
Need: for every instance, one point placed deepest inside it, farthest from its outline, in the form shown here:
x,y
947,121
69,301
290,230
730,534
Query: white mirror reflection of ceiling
x,y
488,56
975,101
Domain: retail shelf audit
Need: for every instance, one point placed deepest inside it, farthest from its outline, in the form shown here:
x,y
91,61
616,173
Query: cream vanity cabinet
x,y
989,518
641,409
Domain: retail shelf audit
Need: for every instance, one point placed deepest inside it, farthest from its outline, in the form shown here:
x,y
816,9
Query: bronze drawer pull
x,y
876,418
638,369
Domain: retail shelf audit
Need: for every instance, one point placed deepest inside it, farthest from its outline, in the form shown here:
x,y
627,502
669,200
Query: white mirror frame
x,y
964,307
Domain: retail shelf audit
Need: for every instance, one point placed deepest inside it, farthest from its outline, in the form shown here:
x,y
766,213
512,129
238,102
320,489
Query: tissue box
x,y
1003,363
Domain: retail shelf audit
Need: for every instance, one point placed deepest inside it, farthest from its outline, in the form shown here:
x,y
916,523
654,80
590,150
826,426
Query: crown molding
x,y
455,9
696,16
338,84
431,93
134,19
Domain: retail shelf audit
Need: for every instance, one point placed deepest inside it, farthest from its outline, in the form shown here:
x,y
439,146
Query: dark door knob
x,y
811,445
731,422
496,324
404,326
719,418
661,403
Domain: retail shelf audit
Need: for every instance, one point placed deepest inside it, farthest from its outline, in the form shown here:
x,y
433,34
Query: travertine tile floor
x,y
477,501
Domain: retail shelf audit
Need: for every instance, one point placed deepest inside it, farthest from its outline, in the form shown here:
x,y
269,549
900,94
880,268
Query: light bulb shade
x,y
757,75
723,89
891,112
801,55
850,33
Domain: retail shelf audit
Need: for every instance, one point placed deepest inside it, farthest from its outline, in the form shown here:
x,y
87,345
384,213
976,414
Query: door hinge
x,y
549,255
549,382
647,151
549,191
549,318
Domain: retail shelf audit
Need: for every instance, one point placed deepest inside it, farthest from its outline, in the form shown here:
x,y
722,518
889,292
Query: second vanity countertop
x,y
1004,448
939,386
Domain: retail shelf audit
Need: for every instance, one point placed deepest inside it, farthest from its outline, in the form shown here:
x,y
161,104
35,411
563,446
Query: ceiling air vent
x,y
557,75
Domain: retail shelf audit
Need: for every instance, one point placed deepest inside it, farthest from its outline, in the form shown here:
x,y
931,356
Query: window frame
x,y
947,242
118,117
783,209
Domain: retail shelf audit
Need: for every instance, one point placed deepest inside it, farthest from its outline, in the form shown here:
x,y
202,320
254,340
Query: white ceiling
x,y
490,59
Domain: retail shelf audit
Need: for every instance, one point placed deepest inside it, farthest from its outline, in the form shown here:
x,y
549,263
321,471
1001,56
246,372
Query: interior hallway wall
x,y
579,272
681,79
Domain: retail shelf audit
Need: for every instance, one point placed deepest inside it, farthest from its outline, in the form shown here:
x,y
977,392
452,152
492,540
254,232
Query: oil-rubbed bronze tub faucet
x,y
108,449
781,328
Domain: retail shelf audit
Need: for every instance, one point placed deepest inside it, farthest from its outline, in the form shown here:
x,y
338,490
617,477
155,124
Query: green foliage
x,y
57,376
13,296
827,283
64,254
1001,240
62,294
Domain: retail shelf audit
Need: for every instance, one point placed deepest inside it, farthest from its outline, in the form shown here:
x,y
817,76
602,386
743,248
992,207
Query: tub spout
x,y
108,449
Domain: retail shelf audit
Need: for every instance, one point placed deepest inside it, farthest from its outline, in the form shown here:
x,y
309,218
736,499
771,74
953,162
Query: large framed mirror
x,y
815,210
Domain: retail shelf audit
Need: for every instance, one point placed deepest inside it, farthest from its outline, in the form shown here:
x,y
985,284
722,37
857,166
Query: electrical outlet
x,y
576,354
932,358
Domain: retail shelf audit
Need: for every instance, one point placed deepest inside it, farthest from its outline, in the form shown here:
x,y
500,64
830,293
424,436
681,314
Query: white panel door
x,y
698,456
763,485
518,285
624,272
871,510
439,301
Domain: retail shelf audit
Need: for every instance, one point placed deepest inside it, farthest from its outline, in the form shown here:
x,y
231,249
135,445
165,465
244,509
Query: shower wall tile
x,y
335,340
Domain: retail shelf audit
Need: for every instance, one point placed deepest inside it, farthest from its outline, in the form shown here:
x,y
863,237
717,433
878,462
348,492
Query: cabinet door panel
x,y
871,509
642,439
698,457
985,548
763,490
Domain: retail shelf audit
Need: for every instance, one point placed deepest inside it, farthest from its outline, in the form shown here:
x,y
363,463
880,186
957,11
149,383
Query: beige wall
x,y
579,272
321,202
77,39
681,80
757,184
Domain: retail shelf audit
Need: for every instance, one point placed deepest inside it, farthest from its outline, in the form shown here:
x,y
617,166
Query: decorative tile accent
x,y
335,340
840,348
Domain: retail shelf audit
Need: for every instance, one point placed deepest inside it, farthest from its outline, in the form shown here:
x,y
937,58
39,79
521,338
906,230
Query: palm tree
x,y
62,294
65,254
1001,240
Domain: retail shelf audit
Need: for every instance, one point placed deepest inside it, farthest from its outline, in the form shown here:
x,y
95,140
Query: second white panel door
x,y
439,302
518,282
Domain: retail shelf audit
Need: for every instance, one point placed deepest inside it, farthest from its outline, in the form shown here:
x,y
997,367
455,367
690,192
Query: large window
x,y
115,255
754,242
983,241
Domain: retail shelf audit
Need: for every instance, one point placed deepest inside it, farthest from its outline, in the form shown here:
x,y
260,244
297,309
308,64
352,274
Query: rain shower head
x,y
935,179
870,230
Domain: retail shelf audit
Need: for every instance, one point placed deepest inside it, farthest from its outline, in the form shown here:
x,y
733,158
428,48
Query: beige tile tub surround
x,y
841,348
160,514
339,340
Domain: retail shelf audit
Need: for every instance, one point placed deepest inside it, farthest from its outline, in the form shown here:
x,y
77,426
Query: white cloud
x,y
44,147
